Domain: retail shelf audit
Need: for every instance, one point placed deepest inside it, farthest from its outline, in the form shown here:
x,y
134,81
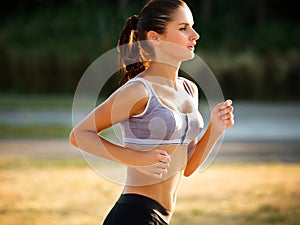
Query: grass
x,y
35,131
48,131
35,101
37,164
44,191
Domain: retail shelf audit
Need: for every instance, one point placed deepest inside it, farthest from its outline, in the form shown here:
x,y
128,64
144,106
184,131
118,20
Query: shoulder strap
x,y
187,87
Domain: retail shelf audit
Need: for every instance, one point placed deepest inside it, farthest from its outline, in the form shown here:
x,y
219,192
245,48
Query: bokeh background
x,y
252,47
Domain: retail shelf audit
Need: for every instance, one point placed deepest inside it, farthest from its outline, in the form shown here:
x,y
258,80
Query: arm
x,y
221,119
121,105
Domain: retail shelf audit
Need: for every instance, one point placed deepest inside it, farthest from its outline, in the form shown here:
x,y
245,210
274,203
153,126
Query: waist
x,y
149,203
163,191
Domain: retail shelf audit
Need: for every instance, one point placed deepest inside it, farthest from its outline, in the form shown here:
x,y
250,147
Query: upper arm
x,y
125,102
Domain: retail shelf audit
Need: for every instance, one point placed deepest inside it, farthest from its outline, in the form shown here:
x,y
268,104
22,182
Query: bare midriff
x,y
163,190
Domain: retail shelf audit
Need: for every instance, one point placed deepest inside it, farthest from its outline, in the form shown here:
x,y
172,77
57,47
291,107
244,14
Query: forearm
x,y
201,150
90,142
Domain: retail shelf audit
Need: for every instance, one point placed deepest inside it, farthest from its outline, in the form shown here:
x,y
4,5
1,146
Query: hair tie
x,y
133,21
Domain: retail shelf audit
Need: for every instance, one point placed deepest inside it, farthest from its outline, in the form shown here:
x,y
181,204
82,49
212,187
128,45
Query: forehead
x,y
183,15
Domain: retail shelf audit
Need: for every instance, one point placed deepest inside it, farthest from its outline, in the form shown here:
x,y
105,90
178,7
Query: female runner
x,y
158,114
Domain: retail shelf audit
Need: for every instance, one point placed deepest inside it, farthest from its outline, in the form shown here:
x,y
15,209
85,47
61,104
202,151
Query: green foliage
x,y
45,46
35,102
34,131
250,75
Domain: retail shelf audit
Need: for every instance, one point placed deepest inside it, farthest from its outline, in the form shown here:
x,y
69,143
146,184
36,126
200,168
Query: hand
x,y
158,167
222,117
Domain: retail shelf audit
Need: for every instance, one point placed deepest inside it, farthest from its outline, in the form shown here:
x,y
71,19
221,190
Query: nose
x,y
194,35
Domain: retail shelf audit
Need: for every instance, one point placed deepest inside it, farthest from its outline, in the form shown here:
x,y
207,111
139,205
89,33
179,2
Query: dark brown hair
x,y
135,55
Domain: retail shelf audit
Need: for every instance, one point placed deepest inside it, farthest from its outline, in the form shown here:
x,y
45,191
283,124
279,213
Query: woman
x,y
158,114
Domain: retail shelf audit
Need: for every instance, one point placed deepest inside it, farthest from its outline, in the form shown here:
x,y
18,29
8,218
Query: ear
x,y
152,36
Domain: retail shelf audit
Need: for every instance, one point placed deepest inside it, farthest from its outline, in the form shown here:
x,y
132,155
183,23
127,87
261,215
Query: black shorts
x,y
134,209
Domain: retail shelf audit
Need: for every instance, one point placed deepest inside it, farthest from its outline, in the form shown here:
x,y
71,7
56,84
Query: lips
x,y
192,47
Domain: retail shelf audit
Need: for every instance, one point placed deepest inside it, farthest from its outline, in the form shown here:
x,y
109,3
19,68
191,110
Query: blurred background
x,y
252,47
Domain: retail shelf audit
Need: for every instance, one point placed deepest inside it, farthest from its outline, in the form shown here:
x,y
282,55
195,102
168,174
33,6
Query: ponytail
x,y
132,61
135,52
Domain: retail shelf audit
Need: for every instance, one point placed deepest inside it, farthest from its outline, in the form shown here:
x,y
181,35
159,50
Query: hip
x,y
137,209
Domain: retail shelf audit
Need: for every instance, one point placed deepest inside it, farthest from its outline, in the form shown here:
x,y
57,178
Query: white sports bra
x,y
160,125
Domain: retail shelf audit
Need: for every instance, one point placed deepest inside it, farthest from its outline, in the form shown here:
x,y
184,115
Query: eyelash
x,y
183,29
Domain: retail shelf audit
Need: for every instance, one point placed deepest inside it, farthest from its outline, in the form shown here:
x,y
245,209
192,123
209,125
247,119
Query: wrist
x,y
214,131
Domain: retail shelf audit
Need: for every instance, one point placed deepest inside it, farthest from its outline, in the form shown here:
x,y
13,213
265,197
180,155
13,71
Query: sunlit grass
x,y
243,194
35,191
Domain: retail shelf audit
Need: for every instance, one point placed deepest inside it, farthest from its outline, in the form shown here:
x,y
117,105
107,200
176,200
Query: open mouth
x,y
191,47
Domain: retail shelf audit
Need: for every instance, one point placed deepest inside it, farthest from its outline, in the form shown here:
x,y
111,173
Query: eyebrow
x,y
186,24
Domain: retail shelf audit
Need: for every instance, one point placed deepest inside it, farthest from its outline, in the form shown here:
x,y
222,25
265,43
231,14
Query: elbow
x,y
188,172
72,139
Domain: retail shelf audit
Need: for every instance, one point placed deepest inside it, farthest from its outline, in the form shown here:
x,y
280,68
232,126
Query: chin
x,y
188,56
176,54
192,55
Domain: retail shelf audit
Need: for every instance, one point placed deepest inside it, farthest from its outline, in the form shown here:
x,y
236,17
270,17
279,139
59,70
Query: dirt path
x,y
36,148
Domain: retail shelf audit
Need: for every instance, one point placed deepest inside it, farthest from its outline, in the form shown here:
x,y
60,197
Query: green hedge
x,y
47,49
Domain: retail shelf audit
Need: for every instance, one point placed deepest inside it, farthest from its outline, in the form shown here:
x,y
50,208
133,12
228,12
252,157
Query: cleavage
x,y
176,100
184,108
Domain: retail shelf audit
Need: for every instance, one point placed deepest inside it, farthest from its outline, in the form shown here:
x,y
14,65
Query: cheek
x,y
176,50
177,39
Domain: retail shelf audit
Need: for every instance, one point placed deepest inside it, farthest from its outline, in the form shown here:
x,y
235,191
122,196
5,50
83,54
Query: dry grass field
x,y
67,191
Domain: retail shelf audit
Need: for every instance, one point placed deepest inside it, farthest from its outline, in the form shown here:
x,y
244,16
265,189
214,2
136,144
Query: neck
x,y
162,70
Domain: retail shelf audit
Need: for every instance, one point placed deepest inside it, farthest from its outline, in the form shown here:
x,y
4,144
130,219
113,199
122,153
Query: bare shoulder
x,y
135,90
132,96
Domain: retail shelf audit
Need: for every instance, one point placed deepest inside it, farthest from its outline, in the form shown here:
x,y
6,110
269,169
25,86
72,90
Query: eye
x,y
183,29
